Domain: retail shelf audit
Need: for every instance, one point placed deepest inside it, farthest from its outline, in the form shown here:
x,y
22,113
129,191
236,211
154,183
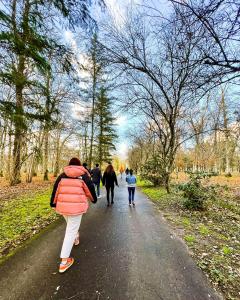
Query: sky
x,y
126,123
118,11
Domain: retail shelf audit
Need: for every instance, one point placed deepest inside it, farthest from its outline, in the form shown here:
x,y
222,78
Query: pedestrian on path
x,y
85,165
96,178
121,170
109,180
127,172
131,184
70,196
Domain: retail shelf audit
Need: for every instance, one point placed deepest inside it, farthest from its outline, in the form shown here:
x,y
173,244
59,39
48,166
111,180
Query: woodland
x,y
170,69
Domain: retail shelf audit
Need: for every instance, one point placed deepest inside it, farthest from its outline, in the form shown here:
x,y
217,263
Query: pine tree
x,y
94,68
106,135
26,40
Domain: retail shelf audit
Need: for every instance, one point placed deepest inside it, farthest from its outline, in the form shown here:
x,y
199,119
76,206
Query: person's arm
x,y
115,178
89,188
52,204
104,178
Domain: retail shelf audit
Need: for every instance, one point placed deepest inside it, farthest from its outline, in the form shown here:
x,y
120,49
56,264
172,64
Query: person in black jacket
x,y
85,165
109,180
96,178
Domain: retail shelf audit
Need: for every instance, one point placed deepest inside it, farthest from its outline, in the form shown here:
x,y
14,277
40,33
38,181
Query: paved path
x,y
125,253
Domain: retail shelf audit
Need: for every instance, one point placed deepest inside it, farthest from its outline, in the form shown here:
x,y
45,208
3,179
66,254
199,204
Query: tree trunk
x,y
18,133
45,154
18,121
56,166
9,156
2,150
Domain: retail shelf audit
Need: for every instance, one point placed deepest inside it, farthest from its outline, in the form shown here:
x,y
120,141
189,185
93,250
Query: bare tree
x,y
154,58
220,23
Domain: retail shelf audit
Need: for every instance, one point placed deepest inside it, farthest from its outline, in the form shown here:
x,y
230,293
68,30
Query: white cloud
x,y
122,150
120,121
118,9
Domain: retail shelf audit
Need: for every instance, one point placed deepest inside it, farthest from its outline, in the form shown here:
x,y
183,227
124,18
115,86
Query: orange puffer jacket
x,y
72,193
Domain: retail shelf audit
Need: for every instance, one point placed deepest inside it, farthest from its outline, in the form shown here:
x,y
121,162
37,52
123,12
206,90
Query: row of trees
x,y
169,68
45,115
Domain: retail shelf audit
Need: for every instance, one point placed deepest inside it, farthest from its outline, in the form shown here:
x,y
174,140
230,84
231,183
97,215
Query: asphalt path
x,y
124,253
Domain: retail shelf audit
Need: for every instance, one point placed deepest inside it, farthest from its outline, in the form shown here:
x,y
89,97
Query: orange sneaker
x,y
67,265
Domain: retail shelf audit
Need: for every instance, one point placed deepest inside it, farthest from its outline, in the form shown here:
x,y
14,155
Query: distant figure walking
x,y
85,165
131,183
70,196
96,178
121,170
109,180
127,171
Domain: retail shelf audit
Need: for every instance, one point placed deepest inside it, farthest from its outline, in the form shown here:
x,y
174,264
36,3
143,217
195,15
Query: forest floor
x,y
24,211
212,235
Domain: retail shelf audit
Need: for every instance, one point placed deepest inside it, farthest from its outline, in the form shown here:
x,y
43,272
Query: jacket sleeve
x,y
89,188
52,204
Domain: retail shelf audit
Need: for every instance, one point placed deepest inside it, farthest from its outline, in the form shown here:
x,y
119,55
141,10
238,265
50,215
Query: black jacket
x,y
109,179
96,175
85,178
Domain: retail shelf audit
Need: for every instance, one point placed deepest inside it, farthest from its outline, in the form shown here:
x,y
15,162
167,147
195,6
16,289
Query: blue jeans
x,y
131,191
97,188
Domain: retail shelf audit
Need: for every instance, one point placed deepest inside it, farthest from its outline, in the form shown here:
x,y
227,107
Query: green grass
x,y
213,235
186,222
143,183
226,250
21,218
190,239
203,230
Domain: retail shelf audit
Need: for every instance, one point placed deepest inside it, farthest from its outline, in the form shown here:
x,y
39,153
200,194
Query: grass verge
x,y
213,235
23,217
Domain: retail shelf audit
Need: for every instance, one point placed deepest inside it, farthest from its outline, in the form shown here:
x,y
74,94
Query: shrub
x,y
195,193
153,171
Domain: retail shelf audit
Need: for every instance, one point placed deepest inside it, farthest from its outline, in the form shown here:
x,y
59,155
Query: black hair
x,y
97,165
131,171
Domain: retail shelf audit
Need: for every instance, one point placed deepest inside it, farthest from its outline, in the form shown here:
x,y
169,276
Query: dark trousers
x,y
131,192
110,188
97,188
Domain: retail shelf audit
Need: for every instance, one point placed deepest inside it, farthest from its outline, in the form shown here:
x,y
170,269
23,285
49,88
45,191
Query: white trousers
x,y
73,224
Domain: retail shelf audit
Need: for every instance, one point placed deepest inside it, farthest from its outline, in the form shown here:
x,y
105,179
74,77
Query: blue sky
x,y
125,123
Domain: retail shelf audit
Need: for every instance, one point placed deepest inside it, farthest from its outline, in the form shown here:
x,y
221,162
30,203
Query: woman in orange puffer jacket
x,y
70,196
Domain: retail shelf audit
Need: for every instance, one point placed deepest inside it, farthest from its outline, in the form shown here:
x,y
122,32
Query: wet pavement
x,y
124,253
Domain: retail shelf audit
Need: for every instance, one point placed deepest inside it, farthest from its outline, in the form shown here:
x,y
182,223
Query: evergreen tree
x,y
26,39
106,133
94,70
